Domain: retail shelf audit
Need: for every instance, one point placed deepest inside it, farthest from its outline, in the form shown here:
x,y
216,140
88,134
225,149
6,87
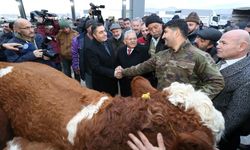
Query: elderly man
x,y
32,44
234,99
155,28
182,63
117,37
206,40
130,55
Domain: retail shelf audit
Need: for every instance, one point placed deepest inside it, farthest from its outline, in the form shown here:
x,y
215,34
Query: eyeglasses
x,y
28,28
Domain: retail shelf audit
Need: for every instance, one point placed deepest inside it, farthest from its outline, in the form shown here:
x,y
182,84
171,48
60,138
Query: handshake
x,y
118,72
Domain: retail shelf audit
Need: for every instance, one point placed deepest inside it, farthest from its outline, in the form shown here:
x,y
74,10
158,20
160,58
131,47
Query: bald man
x,y
234,99
32,43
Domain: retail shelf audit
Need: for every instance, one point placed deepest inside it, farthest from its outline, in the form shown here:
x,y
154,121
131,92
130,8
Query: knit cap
x,y
115,26
64,24
153,18
193,17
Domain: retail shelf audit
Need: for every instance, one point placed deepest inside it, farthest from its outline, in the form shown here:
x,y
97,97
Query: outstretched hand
x,y
11,46
143,143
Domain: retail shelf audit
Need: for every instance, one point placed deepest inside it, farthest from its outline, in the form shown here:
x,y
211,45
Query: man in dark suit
x,y
101,59
130,55
234,99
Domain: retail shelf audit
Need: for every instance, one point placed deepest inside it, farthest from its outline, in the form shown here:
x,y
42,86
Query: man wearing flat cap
x,y
206,40
193,22
117,37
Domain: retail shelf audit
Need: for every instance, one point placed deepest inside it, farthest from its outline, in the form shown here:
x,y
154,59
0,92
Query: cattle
x,y
46,106
19,143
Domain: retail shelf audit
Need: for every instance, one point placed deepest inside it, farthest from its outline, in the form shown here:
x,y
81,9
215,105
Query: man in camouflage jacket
x,y
182,62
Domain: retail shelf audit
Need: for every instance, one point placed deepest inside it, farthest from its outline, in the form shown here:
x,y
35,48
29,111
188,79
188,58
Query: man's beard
x,y
117,37
201,48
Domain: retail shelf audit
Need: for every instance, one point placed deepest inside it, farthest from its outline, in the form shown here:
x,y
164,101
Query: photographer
x,y
31,49
47,25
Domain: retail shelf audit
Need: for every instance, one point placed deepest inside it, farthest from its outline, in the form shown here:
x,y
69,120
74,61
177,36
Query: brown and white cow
x,y
46,106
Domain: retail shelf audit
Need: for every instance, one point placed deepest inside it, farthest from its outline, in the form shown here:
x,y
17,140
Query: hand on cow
x,y
38,53
143,143
118,72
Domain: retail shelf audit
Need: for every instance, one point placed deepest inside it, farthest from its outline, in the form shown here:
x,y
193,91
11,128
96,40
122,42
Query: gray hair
x,y
128,32
137,19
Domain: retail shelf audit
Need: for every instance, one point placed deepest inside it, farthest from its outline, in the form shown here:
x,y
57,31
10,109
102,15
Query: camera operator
x,y
95,13
47,25
31,49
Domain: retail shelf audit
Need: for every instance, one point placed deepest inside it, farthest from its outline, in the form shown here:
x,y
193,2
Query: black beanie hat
x,y
153,18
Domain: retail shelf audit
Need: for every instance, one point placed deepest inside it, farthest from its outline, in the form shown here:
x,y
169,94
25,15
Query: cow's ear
x,y
140,86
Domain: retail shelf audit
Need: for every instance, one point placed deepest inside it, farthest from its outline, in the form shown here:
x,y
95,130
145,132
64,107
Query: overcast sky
x,y
114,6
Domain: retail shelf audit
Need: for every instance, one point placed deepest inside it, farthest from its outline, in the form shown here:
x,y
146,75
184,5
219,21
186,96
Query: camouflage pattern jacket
x,y
187,65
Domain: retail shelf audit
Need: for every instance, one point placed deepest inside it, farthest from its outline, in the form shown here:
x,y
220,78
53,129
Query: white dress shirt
x,y
230,62
130,51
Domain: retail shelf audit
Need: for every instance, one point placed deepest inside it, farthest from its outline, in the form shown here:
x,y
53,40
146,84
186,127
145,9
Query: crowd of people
x,y
107,58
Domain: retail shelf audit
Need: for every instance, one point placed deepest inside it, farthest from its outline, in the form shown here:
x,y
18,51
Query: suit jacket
x,y
234,99
139,54
102,66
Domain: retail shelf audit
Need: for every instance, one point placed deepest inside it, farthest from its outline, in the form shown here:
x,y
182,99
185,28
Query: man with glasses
x,y
31,44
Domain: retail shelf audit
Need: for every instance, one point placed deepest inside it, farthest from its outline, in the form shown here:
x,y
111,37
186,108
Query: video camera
x,y
95,9
44,15
49,53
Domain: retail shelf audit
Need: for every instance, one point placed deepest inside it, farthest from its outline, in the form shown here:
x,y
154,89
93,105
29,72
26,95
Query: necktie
x,y
106,48
220,63
129,51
